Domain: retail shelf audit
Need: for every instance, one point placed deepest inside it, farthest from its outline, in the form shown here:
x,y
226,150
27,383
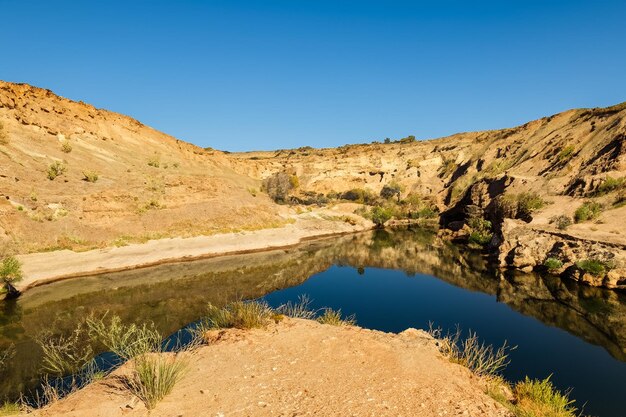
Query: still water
x,y
391,280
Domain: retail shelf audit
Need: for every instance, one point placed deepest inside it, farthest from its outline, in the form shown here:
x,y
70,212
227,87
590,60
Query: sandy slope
x,y
302,368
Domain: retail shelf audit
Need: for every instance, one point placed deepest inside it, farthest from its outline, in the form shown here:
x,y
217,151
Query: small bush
x,y
238,315
333,317
66,147
90,176
553,264
588,211
480,231
154,162
154,377
593,266
391,190
611,184
562,222
56,169
359,195
278,186
10,271
380,215
566,153
528,203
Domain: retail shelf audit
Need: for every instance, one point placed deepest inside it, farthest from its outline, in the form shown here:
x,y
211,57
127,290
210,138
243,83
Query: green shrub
x,y
380,215
588,211
528,203
562,221
56,169
10,409
66,147
154,376
10,273
593,266
333,317
90,176
480,233
553,264
611,184
566,153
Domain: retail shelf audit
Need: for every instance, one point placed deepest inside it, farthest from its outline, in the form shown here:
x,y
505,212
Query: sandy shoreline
x,y
300,367
47,267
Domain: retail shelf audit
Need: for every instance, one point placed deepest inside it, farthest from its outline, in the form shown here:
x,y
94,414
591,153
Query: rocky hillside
x,y
73,176
564,161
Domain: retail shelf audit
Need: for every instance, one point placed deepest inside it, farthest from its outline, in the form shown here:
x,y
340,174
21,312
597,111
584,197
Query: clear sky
x,y
243,75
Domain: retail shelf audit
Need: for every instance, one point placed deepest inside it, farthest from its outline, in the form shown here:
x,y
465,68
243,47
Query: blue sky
x,y
243,75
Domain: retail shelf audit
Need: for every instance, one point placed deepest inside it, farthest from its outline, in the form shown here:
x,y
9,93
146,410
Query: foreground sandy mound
x,y
302,368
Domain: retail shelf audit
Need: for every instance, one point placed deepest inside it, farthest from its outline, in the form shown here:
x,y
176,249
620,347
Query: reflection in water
x,y
176,294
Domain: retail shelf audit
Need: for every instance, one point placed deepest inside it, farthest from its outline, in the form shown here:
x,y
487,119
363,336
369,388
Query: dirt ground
x,y
303,368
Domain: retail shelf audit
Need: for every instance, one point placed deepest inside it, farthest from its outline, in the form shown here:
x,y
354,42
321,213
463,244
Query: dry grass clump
x,y
90,176
10,409
481,359
538,398
154,376
5,356
334,318
238,315
66,147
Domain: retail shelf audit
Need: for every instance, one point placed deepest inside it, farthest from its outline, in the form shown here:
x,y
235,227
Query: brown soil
x,y
302,368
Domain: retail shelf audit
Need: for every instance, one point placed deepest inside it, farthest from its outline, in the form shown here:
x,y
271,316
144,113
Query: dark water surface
x,y
390,280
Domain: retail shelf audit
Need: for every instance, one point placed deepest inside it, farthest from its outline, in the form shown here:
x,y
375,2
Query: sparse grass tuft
x,y
154,376
553,264
154,161
333,317
5,355
56,169
566,153
478,357
126,341
539,398
299,310
65,355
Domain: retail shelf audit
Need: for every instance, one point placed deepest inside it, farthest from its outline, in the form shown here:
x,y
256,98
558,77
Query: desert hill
x,y
148,184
